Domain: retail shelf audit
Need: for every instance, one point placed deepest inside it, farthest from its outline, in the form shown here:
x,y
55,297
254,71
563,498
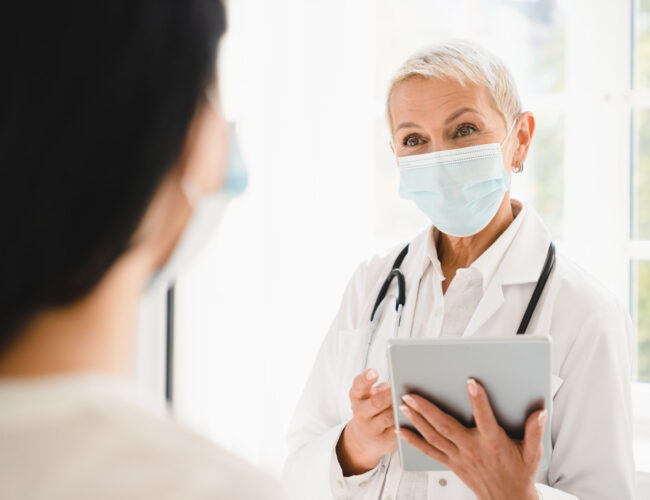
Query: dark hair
x,y
96,98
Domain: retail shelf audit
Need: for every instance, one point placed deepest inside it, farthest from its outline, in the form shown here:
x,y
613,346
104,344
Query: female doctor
x,y
459,134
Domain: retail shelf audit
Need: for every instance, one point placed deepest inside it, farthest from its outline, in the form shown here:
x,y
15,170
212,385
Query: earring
x,y
518,167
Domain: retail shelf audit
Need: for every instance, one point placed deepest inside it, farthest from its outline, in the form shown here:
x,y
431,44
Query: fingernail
x,y
382,386
409,401
370,374
471,386
405,410
542,418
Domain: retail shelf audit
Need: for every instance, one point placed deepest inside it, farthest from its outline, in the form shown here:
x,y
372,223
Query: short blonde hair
x,y
462,61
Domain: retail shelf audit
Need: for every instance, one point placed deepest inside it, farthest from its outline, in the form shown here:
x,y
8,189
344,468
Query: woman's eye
x,y
465,130
412,140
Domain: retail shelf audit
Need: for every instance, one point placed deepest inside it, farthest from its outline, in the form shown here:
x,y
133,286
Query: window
x,y
642,317
640,186
640,221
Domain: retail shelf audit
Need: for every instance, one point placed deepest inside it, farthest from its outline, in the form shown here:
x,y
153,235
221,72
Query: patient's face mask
x,y
460,190
206,214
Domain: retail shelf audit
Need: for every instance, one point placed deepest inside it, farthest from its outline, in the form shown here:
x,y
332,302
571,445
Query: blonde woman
x,y
459,134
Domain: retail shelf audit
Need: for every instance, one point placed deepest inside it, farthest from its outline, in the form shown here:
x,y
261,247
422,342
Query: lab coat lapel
x,y
490,303
522,264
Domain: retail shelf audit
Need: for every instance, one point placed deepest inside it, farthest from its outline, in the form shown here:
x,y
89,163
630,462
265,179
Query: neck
x,y
459,252
93,334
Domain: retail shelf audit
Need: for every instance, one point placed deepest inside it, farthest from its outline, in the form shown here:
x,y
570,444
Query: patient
x,y
111,134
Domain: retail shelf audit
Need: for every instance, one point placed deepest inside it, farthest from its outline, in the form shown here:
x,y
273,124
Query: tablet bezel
x,y
493,361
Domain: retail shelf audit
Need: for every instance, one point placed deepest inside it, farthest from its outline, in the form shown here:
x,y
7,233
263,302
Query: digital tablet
x,y
515,371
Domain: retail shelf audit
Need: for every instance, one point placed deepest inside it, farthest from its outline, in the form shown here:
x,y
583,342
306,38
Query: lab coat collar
x,y
522,263
523,257
489,261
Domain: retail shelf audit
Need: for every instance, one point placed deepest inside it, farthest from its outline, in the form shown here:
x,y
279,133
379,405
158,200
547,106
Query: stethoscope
x,y
396,273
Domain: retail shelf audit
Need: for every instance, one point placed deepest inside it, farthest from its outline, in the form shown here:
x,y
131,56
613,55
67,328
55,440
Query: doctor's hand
x,y
490,463
371,433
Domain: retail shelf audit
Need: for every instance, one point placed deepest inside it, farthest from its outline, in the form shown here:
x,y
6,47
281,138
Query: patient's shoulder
x,y
183,464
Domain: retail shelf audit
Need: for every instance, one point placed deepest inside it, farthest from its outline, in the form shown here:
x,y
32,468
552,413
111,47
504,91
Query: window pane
x,y
642,49
536,59
643,316
641,178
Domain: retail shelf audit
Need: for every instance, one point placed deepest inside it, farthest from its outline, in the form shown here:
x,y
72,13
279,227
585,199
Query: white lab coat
x,y
591,425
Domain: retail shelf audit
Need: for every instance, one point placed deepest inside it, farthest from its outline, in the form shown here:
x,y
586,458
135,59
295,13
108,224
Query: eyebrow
x,y
451,118
406,125
460,112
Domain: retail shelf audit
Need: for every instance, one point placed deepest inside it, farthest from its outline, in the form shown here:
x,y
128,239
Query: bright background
x,y
305,80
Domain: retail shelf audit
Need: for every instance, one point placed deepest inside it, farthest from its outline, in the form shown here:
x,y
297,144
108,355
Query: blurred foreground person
x,y
115,162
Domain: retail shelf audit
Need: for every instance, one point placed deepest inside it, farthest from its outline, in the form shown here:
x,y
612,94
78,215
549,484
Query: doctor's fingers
x,y
377,423
425,447
532,446
362,384
486,423
429,433
376,404
383,421
445,424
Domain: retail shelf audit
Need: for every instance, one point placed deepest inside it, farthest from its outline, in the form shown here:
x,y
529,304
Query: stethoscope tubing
x,y
396,273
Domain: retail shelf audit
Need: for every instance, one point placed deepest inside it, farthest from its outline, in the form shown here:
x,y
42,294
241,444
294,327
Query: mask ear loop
x,y
514,122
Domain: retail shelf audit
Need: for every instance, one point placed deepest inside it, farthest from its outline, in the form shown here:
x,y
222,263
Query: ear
x,y
524,136
205,149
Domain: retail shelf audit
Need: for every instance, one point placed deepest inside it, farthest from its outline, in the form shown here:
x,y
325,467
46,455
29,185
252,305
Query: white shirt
x,y
88,437
590,414
448,315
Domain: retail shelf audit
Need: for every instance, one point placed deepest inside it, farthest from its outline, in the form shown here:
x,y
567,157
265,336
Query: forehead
x,y
431,99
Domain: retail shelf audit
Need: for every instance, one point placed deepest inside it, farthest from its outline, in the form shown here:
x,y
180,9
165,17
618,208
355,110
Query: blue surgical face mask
x,y
460,190
236,178
206,214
